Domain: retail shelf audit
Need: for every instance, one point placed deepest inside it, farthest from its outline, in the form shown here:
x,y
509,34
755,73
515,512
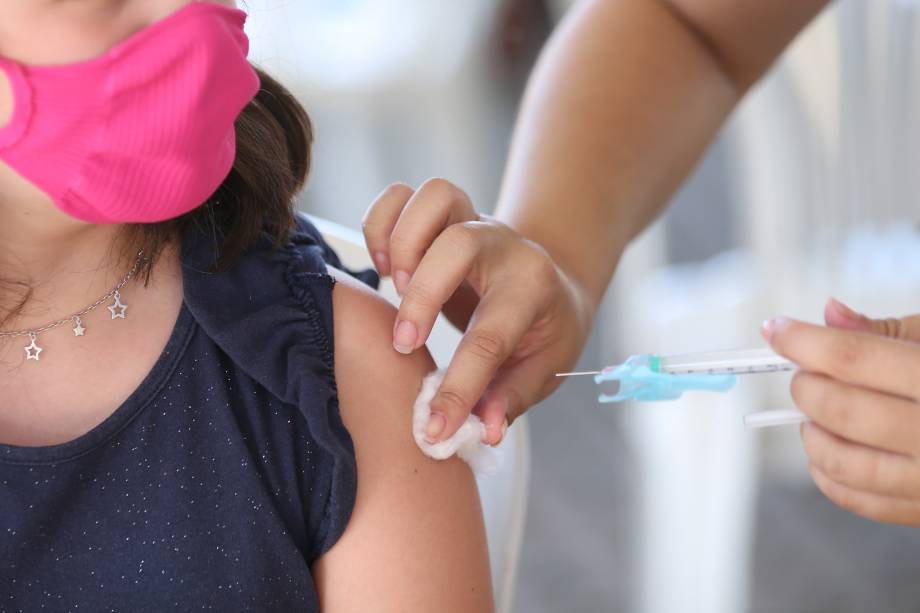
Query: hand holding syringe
x,y
648,377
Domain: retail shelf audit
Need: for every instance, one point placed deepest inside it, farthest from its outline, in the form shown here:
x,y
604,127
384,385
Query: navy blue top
x,y
223,476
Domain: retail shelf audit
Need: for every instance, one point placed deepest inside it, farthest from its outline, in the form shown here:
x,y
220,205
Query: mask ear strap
x,y
21,95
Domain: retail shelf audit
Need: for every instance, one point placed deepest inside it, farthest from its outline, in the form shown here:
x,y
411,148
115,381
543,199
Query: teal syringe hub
x,y
640,379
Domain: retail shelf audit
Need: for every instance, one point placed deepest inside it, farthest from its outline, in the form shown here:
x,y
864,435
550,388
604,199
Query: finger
x,y
379,221
876,507
838,315
518,388
859,358
860,467
436,205
858,414
498,324
492,410
443,269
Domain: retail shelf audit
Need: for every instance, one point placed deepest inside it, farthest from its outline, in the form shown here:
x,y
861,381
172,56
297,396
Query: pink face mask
x,y
142,133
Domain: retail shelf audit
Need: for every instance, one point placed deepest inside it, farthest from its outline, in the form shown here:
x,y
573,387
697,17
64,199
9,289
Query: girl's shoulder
x,y
273,298
416,534
271,314
321,339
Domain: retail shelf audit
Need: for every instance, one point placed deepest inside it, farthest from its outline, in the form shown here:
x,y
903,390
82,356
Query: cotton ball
x,y
466,443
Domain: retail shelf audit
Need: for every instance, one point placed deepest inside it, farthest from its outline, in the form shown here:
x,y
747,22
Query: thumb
x,y
838,315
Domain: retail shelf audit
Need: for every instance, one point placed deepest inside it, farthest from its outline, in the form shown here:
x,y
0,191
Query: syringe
x,y
654,377
729,362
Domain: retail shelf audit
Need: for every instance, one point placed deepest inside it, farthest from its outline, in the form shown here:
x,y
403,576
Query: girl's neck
x,y
78,382
61,264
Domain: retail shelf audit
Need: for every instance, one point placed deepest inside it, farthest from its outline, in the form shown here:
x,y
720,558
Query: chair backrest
x,y
504,494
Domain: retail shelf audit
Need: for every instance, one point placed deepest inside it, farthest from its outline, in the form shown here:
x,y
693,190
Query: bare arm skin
x,y
416,540
621,107
623,103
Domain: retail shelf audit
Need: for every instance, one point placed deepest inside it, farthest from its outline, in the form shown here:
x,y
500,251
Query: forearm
x,y
624,101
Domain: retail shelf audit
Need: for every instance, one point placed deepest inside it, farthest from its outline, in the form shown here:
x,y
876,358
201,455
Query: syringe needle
x,y
578,374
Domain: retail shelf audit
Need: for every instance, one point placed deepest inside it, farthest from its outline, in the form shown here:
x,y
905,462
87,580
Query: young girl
x,y
195,412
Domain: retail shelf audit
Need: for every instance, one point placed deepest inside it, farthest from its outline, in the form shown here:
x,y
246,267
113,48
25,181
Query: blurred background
x,y
807,193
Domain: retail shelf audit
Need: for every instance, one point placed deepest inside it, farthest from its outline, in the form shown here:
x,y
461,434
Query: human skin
x,y
623,102
858,384
415,541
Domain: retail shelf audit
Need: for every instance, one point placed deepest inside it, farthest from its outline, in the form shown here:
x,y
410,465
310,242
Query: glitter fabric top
x,y
219,481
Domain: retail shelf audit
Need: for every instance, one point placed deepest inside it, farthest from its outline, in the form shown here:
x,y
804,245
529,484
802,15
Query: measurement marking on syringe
x,y
730,370
732,362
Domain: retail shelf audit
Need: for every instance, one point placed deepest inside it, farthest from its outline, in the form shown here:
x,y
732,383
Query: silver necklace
x,y
118,309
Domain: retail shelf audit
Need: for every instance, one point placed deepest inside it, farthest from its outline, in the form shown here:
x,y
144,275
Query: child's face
x,y
63,31
41,32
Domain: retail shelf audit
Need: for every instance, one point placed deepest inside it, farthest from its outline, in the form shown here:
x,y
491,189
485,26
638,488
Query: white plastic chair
x,y
504,494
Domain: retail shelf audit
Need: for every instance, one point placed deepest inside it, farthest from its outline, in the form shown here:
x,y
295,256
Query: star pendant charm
x,y
117,308
78,329
32,350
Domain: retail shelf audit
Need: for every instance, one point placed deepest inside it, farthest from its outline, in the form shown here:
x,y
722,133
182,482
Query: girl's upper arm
x,y
416,540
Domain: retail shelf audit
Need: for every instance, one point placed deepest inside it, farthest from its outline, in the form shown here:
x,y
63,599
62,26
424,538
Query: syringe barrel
x,y
734,361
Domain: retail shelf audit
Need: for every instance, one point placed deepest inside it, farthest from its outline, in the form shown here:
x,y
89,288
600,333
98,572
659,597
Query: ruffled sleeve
x,y
271,313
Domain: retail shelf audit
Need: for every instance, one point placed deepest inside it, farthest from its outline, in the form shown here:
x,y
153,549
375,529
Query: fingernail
x,y
504,431
770,327
401,279
405,337
382,262
492,434
495,433
845,311
436,425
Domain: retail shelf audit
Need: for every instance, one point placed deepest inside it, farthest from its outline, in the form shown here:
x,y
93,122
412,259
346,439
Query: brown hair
x,y
274,137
